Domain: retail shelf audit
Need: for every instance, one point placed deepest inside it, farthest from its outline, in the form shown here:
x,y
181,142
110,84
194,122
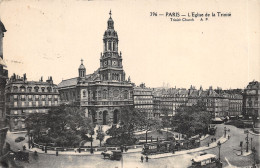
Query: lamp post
x,y
219,146
251,144
246,132
254,157
91,141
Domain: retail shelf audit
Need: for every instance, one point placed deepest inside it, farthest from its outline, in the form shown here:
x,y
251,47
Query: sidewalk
x,y
212,145
83,153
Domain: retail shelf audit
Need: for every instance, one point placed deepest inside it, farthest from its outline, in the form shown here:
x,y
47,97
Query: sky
x,y
49,38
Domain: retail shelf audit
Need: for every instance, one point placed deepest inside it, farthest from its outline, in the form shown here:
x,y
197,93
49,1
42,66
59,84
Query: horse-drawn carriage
x,y
20,155
112,155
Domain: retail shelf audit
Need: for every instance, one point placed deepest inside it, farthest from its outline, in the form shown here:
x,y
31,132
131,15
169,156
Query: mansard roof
x,y
68,82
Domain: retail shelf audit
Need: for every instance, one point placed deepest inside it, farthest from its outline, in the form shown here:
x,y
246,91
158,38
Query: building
x,y
235,104
3,78
143,100
24,97
251,100
105,93
169,100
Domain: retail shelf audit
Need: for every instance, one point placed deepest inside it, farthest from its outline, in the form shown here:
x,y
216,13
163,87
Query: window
x,y
125,94
15,88
15,104
84,93
43,103
22,89
114,46
36,89
15,112
49,103
36,103
49,89
30,104
109,46
29,89
23,104
104,94
43,89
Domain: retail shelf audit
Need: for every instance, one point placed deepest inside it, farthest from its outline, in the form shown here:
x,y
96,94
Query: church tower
x,y
111,68
82,70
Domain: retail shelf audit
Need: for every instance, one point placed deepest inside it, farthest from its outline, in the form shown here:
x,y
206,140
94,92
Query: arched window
x,y
104,94
125,94
29,89
36,89
15,88
114,46
43,89
109,46
49,89
22,89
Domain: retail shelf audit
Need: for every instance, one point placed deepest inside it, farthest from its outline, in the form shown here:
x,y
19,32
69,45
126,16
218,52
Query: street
x,y
228,153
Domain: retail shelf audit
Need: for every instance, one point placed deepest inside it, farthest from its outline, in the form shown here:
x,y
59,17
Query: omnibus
x,y
206,161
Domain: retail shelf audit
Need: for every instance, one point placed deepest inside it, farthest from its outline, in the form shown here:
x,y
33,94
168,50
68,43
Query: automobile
x,y
19,139
112,155
206,161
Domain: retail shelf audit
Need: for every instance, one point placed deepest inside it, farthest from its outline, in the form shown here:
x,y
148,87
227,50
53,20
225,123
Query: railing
x,y
84,149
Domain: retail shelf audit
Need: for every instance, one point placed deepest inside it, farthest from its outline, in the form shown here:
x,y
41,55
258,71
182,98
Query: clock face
x,y
115,63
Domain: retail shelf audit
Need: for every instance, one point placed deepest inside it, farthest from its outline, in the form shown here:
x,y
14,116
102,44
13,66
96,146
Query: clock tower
x,y
111,68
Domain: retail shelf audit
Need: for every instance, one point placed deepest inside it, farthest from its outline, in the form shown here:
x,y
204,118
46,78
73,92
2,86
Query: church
x,y
106,92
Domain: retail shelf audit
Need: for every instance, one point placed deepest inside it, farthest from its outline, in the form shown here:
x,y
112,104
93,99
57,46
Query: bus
x,y
206,161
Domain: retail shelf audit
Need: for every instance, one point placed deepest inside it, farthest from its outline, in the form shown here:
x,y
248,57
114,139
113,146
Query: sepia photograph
x,y
129,84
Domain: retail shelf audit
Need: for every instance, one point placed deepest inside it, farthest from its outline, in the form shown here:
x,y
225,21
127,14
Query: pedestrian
x,y
35,153
57,153
146,158
208,144
142,159
75,150
215,139
24,147
228,136
212,139
122,148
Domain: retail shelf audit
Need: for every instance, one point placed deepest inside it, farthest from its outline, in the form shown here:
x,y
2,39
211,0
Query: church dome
x,y
81,65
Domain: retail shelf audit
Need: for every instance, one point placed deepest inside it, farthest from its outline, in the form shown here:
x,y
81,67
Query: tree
x,y
166,119
100,135
192,120
34,126
65,126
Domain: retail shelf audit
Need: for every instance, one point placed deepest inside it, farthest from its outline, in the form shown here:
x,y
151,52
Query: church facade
x,y
105,93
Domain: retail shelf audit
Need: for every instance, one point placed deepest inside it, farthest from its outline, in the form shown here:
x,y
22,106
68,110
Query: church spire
x,y
110,13
110,22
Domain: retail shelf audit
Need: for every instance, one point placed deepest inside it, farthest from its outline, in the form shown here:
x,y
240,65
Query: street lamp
x,y
219,146
246,132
